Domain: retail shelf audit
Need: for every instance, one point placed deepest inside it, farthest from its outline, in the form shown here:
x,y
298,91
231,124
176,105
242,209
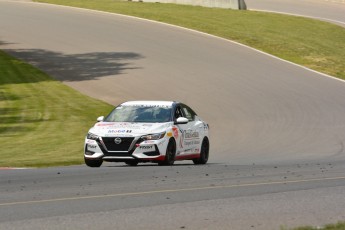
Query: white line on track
x,y
170,191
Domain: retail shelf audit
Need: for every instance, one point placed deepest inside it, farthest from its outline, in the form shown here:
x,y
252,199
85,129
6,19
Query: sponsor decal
x,y
148,142
114,125
104,124
119,131
188,143
191,142
188,151
188,138
91,142
117,135
91,146
126,127
190,134
120,124
148,105
197,142
175,131
169,134
146,147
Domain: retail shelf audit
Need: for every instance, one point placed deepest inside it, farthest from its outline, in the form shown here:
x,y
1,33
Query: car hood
x,y
127,128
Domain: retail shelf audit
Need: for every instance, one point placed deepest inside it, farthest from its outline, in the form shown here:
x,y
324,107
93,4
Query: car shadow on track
x,y
155,165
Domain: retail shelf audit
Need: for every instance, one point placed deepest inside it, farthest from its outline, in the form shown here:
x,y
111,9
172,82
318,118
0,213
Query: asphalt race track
x,y
278,130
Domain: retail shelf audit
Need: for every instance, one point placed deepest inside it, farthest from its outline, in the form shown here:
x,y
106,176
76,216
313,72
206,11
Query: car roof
x,y
149,103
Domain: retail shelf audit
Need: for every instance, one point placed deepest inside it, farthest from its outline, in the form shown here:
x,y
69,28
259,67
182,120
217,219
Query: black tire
x,y
93,163
132,163
170,153
204,153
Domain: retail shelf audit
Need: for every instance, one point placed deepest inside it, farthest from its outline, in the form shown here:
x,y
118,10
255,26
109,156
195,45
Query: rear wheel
x,y
204,153
170,154
93,163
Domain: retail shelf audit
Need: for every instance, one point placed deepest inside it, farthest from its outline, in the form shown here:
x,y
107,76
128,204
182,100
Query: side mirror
x,y
181,121
101,118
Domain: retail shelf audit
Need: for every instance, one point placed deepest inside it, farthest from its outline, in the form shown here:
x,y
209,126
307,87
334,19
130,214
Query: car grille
x,y
110,144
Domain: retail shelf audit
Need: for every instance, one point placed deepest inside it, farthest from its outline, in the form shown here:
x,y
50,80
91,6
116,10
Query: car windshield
x,y
145,114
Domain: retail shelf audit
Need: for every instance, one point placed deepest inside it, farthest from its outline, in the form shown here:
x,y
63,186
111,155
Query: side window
x,y
188,113
178,113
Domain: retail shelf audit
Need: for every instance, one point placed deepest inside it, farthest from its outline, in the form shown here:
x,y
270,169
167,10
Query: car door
x,y
181,129
192,135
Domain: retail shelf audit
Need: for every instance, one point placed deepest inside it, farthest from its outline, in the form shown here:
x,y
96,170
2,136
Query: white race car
x,y
148,131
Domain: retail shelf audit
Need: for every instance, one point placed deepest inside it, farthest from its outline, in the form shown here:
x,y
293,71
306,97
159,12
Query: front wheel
x,y
93,163
170,154
204,153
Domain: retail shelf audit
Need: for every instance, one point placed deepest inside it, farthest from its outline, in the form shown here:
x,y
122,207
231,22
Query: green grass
x,y
42,121
338,226
311,43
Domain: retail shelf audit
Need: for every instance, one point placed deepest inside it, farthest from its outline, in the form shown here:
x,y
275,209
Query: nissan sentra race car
x,y
148,131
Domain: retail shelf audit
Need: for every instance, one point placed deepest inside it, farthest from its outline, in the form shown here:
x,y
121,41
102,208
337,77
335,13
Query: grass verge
x,y
311,43
42,121
338,226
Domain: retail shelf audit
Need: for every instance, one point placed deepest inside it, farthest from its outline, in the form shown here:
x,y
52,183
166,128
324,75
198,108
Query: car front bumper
x,y
135,149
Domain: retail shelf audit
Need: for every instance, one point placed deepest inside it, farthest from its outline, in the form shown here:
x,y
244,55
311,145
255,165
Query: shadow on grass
x,y
18,120
7,97
10,130
5,111
12,124
77,67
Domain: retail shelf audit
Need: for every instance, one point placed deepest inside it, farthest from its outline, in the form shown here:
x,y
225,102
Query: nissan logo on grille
x,y
117,140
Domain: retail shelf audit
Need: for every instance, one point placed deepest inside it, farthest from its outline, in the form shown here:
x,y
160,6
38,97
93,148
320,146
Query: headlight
x,y
92,136
155,136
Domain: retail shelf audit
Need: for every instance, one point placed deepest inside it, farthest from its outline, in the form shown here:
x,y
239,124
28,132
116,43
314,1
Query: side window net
x,y
178,113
